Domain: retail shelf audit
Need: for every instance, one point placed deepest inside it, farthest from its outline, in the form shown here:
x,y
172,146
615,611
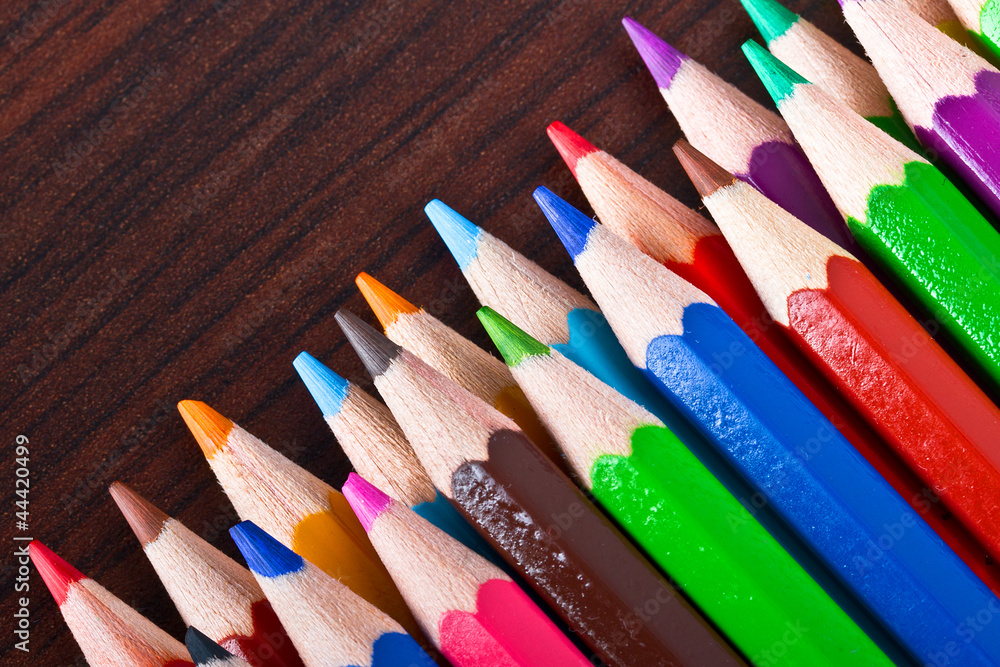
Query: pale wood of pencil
x,y
850,155
434,572
918,63
112,634
589,421
827,63
378,449
720,120
638,211
780,253
523,292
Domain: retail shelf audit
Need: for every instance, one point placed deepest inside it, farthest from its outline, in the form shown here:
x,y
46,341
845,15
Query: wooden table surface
x,y
189,188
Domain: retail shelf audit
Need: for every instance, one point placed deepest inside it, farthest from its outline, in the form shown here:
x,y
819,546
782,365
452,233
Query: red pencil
x,y
880,358
109,632
694,248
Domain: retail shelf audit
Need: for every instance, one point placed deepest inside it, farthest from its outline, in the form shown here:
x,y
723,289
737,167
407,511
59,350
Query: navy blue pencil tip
x,y
572,226
265,555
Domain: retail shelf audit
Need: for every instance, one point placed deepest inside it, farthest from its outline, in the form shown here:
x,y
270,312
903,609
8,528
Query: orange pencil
x,y
297,508
455,357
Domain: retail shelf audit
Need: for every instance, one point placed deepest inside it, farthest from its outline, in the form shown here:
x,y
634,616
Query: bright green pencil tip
x,y
779,79
514,344
772,20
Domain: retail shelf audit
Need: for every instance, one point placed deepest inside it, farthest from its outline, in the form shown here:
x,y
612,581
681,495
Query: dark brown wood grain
x,y
189,188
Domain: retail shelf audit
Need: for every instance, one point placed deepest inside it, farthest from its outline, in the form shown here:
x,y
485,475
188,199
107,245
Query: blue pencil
x,y
854,521
557,315
328,623
378,450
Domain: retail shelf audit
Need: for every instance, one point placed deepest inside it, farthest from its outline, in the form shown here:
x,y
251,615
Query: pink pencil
x,y
472,611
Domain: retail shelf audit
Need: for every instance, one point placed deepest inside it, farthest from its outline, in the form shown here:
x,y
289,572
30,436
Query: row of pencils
x,y
768,439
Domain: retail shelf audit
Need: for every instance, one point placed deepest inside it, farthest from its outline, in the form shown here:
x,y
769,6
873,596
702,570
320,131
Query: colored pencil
x,y
109,632
330,625
534,515
934,416
206,653
378,450
770,432
941,14
903,210
738,133
304,513
694,248
827,63
473,612
549,309
455,356
673,508
209,589
947,94
982,20
559,316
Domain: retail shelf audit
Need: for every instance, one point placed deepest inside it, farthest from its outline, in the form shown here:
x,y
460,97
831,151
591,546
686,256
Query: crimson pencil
x,y
880,358
536,517
694,248
109,632
209,589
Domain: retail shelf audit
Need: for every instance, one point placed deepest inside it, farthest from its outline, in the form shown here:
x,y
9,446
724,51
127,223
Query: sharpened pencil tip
x,y
375,350
202,649
145,519
386,304
779,79
457,232
366,499
571,146
772,19
264,555
514,344
706,175
326,387
662,60
57,574
572,226
208,427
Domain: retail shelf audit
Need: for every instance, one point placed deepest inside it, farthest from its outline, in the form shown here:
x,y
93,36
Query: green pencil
x,y
901,209
982,19
827,63
684,519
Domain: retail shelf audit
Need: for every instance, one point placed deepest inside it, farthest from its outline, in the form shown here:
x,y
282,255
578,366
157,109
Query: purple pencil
x,y
949,95
748,140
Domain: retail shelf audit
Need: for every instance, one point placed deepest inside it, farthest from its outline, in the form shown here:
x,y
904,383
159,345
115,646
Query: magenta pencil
x,y
473,612
948,95
748,140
